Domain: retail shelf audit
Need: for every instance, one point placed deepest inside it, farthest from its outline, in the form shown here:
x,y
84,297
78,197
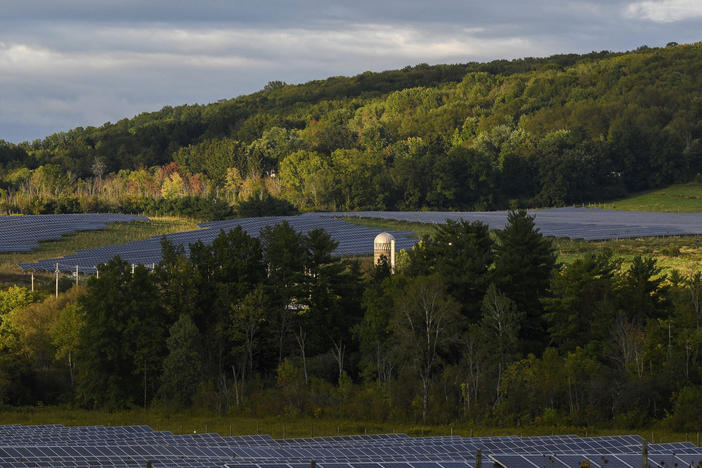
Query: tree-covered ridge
x,y
553,131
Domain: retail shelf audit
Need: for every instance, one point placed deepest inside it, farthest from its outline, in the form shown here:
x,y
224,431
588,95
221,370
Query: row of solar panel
x,y
511,461
126,446
23,233
352,240
584,223
499,460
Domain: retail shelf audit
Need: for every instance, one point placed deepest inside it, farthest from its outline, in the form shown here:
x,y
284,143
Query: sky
x,y
74,63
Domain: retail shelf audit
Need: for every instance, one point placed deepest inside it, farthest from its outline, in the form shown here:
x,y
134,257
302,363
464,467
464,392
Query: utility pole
x,y
57,273
32,281
76,275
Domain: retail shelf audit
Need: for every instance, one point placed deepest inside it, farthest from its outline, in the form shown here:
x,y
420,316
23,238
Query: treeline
x,y
166,190
472,327
532,132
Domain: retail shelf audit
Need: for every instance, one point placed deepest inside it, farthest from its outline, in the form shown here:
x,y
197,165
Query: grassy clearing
x,y
683,253
115,233
419,229
679,198
280,427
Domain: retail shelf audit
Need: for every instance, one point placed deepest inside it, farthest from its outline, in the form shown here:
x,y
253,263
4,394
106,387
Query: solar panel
x,y
582,223
589,224
23,233
56,445
352,240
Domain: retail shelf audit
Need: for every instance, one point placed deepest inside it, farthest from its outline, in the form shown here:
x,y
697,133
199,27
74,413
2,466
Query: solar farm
x,y
57,445
574,223
354,240
23,233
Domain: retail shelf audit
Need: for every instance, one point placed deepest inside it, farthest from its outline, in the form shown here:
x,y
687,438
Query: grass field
x,y
419,229
683,253
679,198
282,427
115,233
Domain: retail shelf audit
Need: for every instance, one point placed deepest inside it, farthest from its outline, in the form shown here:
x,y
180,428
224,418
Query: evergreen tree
x,y
461,253
580,308
643,295
524,263
286,256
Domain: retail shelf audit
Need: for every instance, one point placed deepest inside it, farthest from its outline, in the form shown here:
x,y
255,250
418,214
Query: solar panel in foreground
x,y
584,223
56,445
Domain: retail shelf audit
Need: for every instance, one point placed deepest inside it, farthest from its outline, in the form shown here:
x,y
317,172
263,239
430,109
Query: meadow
x,y
682,253
678,198
198,421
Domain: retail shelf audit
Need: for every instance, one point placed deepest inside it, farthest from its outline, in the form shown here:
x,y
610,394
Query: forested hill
x,y
551,131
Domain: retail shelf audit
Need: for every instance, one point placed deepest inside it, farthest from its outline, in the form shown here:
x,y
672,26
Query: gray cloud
x,y
76,62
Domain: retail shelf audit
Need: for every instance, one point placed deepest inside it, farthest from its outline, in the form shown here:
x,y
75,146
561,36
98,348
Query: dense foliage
x,y
559,130
470,328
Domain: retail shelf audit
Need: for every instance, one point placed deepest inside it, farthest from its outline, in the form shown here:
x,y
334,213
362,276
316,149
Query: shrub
x,y
687,409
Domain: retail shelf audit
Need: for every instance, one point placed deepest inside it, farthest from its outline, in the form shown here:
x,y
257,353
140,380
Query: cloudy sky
x,y
75,63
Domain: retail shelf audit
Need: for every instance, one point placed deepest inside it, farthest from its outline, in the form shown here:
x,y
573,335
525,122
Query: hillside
x,y
676,198
531,132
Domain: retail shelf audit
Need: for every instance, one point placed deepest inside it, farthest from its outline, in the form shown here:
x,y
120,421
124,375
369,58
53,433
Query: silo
x,y
384,244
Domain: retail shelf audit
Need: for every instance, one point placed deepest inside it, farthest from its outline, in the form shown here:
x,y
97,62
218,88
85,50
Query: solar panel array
x,y
575,223
584,223
23,233
352,239
56,445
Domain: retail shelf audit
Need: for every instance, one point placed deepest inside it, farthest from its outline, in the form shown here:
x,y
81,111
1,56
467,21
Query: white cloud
x,y
86,74
665,11
70,53
81,62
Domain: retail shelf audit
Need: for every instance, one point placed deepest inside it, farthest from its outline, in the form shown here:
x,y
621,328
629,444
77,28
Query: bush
x,y
266,206
687,410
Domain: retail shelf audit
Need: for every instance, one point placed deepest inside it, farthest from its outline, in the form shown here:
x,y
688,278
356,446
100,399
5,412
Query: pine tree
x,y
524,263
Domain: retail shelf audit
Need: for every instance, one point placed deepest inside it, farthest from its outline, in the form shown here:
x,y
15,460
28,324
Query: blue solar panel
x,y
591,224
23,233
582,223
55,445
352,240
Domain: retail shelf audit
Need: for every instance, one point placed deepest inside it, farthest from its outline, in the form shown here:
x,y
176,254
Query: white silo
x,y
384,244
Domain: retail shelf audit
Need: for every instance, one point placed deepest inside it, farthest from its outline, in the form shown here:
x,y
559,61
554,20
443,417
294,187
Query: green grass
x,y
679,198
683,253
115,233
281,426
419,229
